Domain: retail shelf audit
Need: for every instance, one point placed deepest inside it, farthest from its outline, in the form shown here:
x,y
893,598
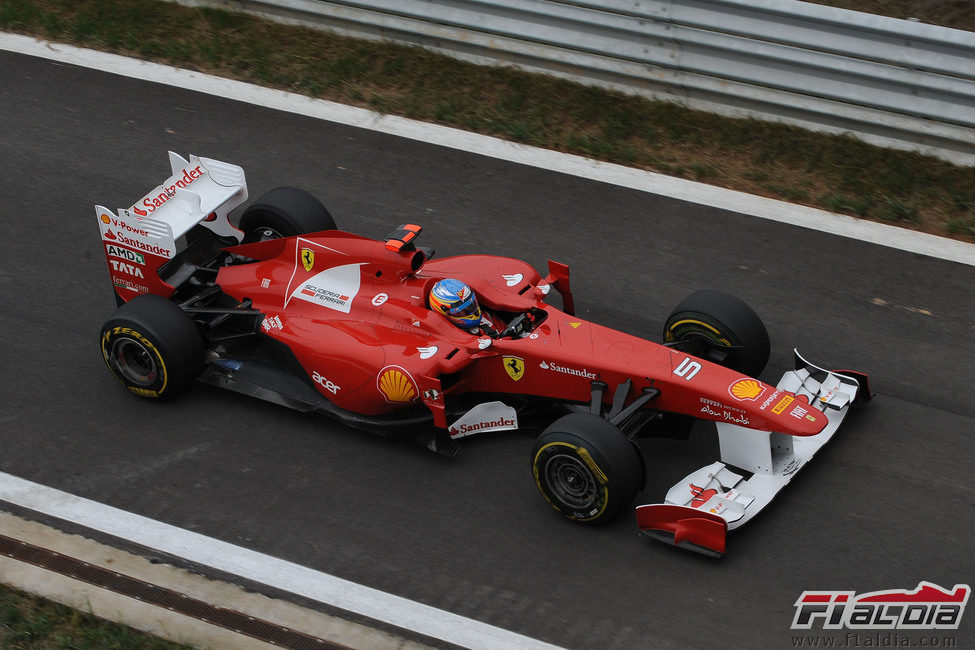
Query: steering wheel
x,y
517,326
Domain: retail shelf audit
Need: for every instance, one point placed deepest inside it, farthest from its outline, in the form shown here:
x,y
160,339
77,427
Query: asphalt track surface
x,y
887,504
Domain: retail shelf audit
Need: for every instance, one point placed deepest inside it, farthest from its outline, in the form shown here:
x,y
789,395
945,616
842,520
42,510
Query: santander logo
x,y
109,234
701,496
163,193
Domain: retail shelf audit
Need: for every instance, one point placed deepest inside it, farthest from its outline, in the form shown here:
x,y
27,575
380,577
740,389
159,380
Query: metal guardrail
x,y
894,82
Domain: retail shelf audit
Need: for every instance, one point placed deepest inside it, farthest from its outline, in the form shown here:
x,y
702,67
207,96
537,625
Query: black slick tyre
x,y
711,321
152,347
284,212
586,468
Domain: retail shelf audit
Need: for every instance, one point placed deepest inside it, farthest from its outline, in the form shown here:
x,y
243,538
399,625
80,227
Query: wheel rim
x,y
264,234
134,361
571,482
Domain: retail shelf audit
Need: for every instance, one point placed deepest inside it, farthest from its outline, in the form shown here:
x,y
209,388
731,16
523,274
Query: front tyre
x,y
152,347
722,328
586,468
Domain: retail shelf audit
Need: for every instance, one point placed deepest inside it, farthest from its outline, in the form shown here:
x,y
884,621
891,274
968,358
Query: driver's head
x,y
456,301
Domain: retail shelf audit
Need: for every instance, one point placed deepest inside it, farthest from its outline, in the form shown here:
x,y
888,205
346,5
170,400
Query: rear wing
x,y
142,238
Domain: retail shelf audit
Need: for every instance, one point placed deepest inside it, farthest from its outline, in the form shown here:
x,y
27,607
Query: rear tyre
x,y
284,212
720,327
152,347
586,468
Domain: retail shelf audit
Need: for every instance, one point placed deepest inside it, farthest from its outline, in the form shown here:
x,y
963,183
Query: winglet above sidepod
x,y
700,509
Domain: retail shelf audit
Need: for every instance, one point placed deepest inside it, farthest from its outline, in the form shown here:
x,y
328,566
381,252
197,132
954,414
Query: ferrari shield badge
x,y
307,258
514,366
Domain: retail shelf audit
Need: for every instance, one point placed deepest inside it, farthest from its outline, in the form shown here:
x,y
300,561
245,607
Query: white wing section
x,y
139,233
197,188
716,494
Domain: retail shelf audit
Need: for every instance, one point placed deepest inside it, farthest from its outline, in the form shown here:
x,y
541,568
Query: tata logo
x,y
128,269
307,258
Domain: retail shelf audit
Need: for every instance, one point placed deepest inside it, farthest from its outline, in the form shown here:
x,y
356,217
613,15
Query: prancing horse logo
x,y
514,366
307,258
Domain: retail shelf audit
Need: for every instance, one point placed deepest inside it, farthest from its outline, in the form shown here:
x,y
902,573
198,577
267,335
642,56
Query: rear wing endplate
x,y
140,239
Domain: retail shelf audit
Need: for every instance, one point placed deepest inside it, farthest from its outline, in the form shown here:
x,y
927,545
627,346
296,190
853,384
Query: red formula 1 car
x,y
291,310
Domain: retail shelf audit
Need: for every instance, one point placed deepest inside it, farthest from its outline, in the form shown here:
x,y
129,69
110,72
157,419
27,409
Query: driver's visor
x,y
467,308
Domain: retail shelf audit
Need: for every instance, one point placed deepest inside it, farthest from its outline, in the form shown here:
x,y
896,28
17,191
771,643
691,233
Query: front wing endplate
x,y
699,510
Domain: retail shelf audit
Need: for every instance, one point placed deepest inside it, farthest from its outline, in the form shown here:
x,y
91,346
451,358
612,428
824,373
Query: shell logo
x,y
396,385
105,219
746,389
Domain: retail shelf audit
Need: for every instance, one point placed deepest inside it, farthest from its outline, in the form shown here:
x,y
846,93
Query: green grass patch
x,y
837,172
31,623
962,226
893,210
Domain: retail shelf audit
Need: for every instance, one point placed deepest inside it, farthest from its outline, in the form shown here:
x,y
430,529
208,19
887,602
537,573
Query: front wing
x,y
700,510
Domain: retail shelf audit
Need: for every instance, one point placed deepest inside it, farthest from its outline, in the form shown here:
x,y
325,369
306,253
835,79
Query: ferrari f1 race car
x,y
287,308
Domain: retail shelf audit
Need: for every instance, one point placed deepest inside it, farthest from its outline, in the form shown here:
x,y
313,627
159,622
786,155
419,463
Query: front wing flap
x,y
699,510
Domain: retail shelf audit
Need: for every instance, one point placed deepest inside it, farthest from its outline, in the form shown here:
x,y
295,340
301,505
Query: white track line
x,y
264,569
703,194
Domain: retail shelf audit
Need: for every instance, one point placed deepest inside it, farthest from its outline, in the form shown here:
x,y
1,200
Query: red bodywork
x,y
355,315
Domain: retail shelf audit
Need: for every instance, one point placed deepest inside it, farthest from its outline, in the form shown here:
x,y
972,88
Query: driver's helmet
x,y
457,302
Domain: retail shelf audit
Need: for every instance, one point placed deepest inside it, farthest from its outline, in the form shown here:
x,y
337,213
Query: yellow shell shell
x,y
397,386
746,389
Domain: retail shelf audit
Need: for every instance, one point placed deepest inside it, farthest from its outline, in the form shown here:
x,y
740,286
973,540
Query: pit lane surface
x,y
888,503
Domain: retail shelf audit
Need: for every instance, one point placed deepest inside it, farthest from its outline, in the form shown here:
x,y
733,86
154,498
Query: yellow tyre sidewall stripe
x,y
582,454
128,331
692,321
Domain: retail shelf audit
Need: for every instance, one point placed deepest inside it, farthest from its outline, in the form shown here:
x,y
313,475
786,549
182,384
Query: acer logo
x,y
325,383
